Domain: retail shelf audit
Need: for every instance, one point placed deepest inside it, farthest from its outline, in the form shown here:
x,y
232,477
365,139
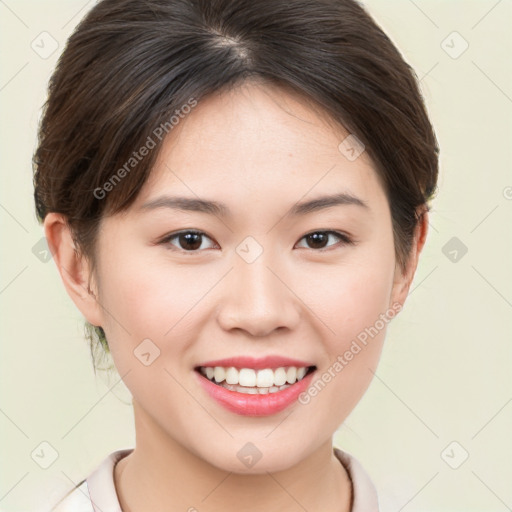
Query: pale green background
x,y
445,373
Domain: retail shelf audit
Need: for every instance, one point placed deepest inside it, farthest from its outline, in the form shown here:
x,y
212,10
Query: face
x,y
262,277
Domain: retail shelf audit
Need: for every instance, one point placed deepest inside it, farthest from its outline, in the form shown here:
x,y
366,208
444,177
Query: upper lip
x,y
256,363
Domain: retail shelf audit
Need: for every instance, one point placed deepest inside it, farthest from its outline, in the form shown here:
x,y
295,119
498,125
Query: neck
x,y
162,475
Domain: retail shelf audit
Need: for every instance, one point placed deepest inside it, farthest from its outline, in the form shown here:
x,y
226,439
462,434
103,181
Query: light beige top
x,y
97,493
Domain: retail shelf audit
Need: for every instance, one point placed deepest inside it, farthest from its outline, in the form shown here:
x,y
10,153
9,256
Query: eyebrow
x,y
220,209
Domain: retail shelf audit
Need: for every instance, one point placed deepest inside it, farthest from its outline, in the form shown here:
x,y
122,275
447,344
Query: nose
x,y
257,298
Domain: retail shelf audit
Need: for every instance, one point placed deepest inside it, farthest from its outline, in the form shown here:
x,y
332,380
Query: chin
x,y
249,460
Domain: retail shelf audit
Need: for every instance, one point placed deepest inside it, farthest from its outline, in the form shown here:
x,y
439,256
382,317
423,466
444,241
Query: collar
x,y
99,490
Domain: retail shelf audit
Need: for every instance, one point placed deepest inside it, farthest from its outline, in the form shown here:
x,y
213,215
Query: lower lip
x,y
255,405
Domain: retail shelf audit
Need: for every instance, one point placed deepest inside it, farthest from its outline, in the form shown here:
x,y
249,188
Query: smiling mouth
x,y
251,381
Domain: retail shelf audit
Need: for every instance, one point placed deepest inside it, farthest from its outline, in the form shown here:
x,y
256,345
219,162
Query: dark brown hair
x,y
131,64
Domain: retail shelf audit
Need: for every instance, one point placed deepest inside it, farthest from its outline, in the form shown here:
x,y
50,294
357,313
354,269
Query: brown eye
x,y
189,241
318,239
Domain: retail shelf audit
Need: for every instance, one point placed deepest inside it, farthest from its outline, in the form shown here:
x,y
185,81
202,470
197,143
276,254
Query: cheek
x,y
350,296
141,301
355,312
147,327
155,299
363,297
359,313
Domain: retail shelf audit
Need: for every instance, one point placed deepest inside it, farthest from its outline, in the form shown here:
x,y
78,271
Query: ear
x,y
73,268
403,279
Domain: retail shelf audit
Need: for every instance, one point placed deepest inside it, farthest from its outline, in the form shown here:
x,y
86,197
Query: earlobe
x,y
403,280
73,268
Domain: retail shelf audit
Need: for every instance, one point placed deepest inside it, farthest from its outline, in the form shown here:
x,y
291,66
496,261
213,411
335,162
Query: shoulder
x,y
97,488
364,493
76,500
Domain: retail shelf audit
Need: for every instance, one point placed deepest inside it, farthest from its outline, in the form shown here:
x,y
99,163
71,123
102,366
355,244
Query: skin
x,y
259,150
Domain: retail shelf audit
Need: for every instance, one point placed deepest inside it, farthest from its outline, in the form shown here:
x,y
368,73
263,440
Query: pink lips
x,y
272,362
255,405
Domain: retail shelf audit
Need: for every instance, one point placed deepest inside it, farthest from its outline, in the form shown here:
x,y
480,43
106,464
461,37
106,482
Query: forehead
x,y
262,142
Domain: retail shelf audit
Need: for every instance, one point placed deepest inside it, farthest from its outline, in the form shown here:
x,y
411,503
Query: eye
x,y
319,238
189,241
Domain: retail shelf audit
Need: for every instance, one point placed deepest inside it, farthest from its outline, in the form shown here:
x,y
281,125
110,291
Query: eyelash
x,y
345,240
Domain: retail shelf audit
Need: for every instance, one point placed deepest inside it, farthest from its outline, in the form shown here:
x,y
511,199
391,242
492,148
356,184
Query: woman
x,y
236,196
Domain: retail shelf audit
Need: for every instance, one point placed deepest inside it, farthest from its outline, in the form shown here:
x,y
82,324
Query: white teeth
x,y
246,377
280,377
219,374
265,379
231,376
291,375
254,391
